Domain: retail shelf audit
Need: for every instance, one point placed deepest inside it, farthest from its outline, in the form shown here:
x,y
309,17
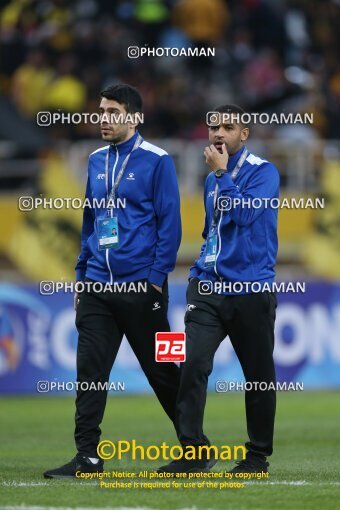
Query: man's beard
x,y
115,138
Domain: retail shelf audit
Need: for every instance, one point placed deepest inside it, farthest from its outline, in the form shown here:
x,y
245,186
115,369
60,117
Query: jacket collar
x,y
124,147
232,161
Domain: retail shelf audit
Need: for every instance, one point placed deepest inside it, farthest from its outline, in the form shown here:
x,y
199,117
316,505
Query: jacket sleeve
x,y
194,270
167,209
263,184
87,231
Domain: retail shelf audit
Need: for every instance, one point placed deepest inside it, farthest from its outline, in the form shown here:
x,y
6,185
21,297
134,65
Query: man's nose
x,y
104,118
218,132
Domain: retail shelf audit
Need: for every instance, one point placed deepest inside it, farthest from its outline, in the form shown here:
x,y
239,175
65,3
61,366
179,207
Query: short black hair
x,y
232,109
229,108
125,95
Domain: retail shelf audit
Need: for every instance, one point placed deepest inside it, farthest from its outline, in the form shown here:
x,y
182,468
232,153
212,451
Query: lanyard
x,y
233,176
112,195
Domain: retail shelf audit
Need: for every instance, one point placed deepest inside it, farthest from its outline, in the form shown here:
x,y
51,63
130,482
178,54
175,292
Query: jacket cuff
x,y
193,273
156,277
80,274
225,183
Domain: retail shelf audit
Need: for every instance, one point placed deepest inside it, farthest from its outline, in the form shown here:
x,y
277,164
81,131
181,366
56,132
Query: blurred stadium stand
x,y
270,57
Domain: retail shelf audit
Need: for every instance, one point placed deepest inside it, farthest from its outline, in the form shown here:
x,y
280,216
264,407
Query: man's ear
x,y
134,124
244,134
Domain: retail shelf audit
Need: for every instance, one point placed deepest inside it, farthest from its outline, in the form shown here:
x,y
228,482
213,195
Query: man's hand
x,y
215,159
159,289
76,300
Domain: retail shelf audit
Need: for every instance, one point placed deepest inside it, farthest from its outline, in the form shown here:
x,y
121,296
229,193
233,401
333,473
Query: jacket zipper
x,y
112,182
220,246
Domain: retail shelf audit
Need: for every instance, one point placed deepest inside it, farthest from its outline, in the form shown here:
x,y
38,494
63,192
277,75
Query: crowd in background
x,y
270,56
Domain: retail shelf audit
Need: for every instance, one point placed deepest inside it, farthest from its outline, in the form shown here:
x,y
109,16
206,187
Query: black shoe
x,y
185,466
78,463
251,464
211,463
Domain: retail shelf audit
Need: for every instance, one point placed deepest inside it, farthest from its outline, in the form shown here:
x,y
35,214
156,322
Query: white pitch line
x,y
286,482
60,483
45,484
30,507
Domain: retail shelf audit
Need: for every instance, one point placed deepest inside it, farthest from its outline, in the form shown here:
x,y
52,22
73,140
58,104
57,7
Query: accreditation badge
x,y
107,233
211,250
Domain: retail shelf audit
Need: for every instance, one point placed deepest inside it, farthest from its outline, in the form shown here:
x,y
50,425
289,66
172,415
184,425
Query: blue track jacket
x,y
246,236
149,226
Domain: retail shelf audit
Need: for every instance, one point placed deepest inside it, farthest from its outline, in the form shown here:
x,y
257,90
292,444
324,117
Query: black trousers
x,y
102,319
249,322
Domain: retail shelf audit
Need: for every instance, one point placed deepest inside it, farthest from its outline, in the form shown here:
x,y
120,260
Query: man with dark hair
x,y
147,234
124,95
240,247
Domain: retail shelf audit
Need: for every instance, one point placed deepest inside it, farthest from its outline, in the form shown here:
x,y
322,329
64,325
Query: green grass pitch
x,y
304,473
